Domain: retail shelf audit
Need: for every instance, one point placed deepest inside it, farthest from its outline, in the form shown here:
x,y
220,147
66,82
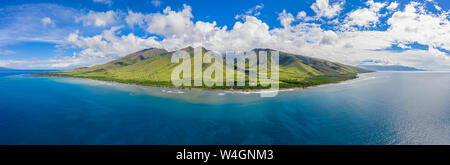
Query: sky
x,y
54,34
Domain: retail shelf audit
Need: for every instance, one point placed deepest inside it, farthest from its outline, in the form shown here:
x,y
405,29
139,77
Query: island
x,y
5,69
390,68
153,67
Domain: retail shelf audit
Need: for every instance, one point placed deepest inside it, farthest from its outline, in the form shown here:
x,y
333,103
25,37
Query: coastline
x,y
195,95
242,91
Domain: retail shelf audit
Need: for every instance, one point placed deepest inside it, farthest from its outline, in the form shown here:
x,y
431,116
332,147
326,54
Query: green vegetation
x,y
153,67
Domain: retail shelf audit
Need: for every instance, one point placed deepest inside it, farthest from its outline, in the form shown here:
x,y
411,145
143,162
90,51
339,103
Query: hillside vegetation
x,y
153,67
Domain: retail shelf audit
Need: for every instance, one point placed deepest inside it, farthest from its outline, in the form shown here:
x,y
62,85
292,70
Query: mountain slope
x,y
153,67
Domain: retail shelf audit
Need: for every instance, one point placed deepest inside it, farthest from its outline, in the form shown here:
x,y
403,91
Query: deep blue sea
x,y
377,108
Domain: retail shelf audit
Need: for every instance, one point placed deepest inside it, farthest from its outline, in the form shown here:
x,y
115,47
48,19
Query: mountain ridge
x,y
153,67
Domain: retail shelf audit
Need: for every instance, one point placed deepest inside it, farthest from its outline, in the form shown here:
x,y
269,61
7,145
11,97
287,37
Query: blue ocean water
x,y
377,108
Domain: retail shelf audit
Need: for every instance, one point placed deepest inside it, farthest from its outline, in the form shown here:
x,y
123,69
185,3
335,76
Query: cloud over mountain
x,y
370,31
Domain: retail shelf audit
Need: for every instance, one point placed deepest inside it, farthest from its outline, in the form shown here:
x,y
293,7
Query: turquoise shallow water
x,y
378,108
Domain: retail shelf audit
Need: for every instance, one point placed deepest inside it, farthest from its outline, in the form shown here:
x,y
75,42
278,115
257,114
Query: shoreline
x,y
246,91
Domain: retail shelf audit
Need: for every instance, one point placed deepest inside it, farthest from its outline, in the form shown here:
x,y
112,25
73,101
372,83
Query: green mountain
x,y
153,67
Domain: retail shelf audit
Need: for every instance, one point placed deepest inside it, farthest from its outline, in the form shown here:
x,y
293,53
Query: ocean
x,y
377,108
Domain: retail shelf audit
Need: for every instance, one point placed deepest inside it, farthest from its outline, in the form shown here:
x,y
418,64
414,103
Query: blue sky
x,y
66,34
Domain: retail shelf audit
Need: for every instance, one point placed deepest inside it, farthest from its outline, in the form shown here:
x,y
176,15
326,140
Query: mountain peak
x,y
143,54
152,49
151,67
190,49
262,49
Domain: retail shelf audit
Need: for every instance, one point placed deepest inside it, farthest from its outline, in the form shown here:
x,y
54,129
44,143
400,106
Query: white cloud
x,y
402,45
46,21
176,29
329,38
411,26
322,8
376,6
29,23
108,43
362,18
170,22
156,3
255,11
108,2
98,19
301,15
134,19
392,6
437,7
365,17
106,46
285,18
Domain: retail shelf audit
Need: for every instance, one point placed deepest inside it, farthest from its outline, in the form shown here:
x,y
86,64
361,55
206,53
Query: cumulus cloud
x,y
365,17
98,19
285,18
329,38
322,8
392,6
170,22
178,30
109,44
255,11
413,26
437,7
301,14
175,29
134,18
